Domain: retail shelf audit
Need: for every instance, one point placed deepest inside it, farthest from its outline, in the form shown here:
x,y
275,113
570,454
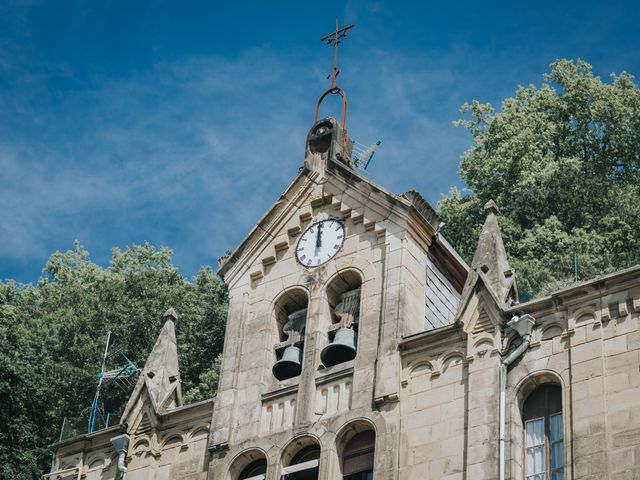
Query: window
x,y
250,465
357,457
305,465
441,299
254,471
543,434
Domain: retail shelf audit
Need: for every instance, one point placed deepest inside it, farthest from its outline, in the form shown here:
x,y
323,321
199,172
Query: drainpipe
x,y
120,444
523,325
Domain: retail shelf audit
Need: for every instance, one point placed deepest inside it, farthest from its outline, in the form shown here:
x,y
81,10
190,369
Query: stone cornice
x,y
85,440
431,338
583,292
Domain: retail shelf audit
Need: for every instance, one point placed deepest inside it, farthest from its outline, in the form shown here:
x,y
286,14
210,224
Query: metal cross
x,y
334,39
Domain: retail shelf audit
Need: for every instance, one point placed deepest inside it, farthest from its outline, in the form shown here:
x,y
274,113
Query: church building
x,y
359,345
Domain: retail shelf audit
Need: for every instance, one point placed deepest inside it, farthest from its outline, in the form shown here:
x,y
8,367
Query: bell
x,y
342,349
289,365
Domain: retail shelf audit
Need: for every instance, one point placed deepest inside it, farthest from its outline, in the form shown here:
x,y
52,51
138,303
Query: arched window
x,y
357,456
250,465
291,320
543,434
254,471
304,465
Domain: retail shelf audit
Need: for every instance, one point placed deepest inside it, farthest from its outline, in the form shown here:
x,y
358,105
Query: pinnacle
x,y
491,207
170,314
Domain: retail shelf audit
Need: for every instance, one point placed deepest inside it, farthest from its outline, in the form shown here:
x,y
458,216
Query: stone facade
x,y
427,390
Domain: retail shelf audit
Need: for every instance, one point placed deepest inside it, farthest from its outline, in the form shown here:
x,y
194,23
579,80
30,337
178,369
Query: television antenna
x,y
121,376
362,154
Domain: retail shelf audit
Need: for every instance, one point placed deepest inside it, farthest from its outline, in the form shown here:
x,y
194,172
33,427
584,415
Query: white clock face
x,y
320,242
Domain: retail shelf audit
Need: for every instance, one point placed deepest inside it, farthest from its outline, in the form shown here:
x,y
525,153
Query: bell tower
x,y
321,293
328,139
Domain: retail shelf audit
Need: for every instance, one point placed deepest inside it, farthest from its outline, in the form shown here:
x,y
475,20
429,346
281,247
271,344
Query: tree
x,y
52,335
562,162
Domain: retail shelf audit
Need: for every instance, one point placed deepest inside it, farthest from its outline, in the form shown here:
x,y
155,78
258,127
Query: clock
x,y
320,242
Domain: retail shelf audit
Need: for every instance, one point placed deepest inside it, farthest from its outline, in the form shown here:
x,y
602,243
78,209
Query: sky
x,y
180,123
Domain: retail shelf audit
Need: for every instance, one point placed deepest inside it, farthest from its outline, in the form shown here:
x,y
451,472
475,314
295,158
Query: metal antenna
x,y
333,38
95,406
122,376
363,154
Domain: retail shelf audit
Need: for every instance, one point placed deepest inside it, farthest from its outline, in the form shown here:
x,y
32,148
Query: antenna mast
x,y
95,406
122,376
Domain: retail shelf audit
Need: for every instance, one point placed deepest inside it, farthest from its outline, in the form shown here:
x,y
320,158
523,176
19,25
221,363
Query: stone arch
x,y
448,358
197,432
355,446
245,459
295,445
551,330
584,316
342,281
365,269
483,344
419,364
96,462
532,381
141,444
172,440
350,429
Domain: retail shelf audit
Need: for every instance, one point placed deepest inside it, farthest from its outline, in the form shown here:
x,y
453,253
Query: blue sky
x,y
180,123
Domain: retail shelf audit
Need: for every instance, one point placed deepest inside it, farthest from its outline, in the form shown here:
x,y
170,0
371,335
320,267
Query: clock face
x,y
320,242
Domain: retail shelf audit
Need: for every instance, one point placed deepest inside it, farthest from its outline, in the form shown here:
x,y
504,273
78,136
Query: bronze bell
x,y
289,365
342,349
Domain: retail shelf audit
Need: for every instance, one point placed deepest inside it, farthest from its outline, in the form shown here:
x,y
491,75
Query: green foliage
x,y
562,162
52,336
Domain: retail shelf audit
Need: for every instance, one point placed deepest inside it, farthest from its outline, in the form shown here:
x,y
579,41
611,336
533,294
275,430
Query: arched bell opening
x,y
343,295
290,311
301,460
356,449
251,465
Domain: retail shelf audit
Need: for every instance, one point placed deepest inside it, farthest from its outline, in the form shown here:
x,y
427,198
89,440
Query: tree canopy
x,y
53,335
562,161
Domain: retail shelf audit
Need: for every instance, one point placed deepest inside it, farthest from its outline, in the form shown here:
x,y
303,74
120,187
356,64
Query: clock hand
x,y
319,236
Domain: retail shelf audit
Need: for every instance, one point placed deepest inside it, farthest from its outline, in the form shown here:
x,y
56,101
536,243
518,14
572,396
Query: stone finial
x,y
491,207
161,374
170,314
490,260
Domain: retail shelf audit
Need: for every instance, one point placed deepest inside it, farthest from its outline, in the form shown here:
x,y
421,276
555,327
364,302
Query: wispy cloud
x,y
190,151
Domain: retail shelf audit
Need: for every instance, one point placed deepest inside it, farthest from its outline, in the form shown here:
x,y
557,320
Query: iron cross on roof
x,y
334,39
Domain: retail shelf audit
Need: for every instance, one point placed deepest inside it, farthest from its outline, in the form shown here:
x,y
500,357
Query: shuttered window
x,y
357,458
